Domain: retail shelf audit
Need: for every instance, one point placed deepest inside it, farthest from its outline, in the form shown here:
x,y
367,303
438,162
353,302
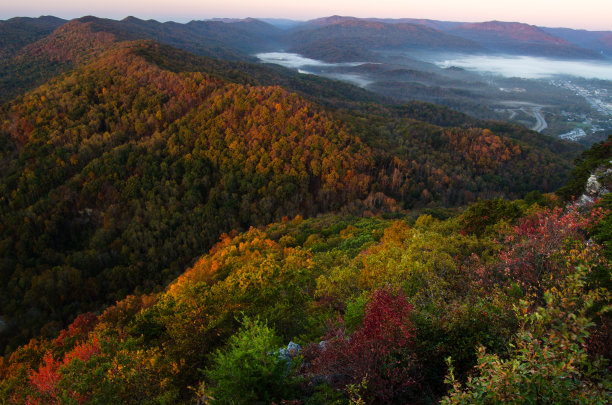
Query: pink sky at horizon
x,y
586,14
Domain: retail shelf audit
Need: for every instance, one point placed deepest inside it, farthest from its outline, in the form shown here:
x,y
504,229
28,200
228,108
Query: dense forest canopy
x,y
116,175
390,299
175,227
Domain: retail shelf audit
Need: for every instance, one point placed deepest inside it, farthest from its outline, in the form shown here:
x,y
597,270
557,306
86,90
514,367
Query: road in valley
x,y
534,110
541,124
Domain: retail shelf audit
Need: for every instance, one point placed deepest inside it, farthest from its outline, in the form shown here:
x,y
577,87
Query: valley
x,y
567,99
474,68
334,211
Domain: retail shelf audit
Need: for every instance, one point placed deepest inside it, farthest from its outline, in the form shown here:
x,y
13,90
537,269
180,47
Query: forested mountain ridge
x,y
79,40
170,222
97,140
482,37
379,294
362,36
232,41
26,62
116,175
70,44
18,32
520,38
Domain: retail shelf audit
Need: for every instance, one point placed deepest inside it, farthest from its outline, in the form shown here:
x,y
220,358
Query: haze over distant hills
x,y
36,49
352,182
331,36
234,149
521,39
499,36
247,35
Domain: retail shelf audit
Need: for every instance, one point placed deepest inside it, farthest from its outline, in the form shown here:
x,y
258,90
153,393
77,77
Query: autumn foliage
x,y
122,171
44,382
534,253
378,352
117,177
389,299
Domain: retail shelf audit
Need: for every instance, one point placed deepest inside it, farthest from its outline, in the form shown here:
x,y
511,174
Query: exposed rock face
x,y
289,353
598,184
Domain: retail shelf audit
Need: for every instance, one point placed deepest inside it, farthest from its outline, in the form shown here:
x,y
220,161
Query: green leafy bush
x,y
249,370
548,362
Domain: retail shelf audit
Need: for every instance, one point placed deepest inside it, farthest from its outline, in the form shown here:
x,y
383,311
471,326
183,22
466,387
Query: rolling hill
x,y
606,40
366,36
143,133
178,228
73,42
524,39
18,32
593,40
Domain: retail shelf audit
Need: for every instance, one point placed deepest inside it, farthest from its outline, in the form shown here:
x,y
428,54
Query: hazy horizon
x,y
527,67
521,66
589,14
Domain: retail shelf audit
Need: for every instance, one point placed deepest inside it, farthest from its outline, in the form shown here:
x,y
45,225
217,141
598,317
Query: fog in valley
x,y
312,66
293,60
527,67
571,99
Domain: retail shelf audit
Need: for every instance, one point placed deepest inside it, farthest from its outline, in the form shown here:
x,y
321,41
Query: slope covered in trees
x,y
18,32
520,297
521,38
116,175
59,52
99,156
35,50
362,36
126,165
93,159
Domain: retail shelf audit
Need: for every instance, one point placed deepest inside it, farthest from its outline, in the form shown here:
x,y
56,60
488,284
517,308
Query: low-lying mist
x,y
313,66
295,61
527,67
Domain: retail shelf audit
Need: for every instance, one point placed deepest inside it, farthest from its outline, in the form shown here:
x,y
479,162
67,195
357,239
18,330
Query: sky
x,y
585,14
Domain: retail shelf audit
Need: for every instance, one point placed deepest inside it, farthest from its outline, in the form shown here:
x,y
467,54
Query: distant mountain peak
x,y
131,18
334,19
236,20
86,19
71,42
513,30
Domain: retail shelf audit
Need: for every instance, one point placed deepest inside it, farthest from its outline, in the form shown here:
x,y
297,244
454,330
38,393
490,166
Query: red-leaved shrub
x,y
78,329
533,252
377,351
44,381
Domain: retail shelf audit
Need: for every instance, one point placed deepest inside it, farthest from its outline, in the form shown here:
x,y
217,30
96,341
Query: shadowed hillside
x,y
116,175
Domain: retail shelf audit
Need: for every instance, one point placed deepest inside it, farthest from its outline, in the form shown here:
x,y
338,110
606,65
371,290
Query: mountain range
x,y
137,104
249,35
175,216
31,46
486,37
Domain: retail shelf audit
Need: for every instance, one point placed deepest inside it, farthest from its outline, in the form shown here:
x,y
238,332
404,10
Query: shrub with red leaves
x,y
378,351
44,381
78,329
534,251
